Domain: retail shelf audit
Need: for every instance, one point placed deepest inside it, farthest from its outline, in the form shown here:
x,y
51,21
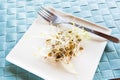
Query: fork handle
x,y
106,36
115,79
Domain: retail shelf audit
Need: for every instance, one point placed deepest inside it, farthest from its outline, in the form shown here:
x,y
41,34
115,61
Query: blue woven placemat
x,y
17,15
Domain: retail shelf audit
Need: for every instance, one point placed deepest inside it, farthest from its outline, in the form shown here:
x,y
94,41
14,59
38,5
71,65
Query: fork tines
x,y
47,15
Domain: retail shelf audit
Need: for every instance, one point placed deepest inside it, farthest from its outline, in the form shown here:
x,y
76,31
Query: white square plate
x,y
26,52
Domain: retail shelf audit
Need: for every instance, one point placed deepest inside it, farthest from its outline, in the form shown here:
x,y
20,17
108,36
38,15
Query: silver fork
x,y
55,19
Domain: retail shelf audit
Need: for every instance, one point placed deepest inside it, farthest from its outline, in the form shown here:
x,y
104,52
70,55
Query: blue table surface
x,y
17,15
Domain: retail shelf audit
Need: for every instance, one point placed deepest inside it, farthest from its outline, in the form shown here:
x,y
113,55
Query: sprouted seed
x,y
64,46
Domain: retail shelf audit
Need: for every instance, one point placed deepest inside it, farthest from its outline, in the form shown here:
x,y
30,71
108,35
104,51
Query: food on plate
x,y
65,45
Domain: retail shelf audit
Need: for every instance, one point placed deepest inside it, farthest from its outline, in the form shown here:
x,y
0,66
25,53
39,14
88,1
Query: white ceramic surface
x,y
26,53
